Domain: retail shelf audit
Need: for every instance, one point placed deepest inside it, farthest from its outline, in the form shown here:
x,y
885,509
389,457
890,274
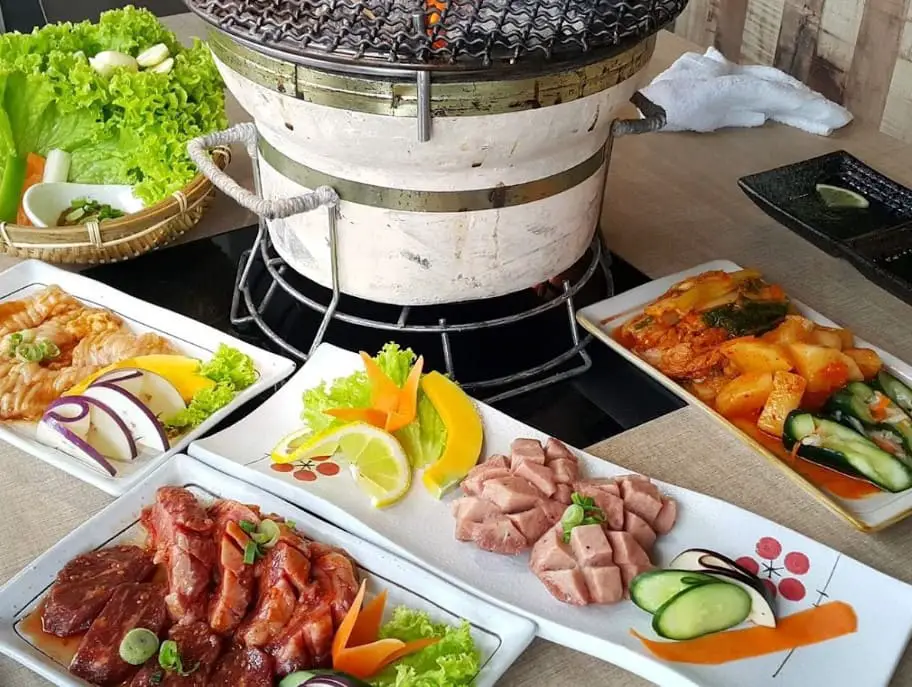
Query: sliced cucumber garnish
x,y
650,590
701,610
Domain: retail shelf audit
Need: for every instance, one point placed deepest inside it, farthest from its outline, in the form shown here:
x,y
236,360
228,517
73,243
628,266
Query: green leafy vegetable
x,y
452,662
232,371
129,128
230,366
747,317
423,439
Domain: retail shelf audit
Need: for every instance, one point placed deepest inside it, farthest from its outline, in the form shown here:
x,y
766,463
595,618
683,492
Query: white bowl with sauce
x,y
44,202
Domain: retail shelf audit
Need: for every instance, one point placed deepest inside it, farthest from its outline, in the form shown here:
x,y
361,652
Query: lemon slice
x,y
378,462
302,442
838,197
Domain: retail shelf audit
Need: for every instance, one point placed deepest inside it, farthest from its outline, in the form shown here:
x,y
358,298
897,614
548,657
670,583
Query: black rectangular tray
x,y
877,239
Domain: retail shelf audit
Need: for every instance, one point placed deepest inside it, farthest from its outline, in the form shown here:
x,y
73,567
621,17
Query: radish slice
x,y
55,433
141,424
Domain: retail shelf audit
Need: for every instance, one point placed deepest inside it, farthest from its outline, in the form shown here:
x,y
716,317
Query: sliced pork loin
x,y
510,503
235,587
598,563
181,534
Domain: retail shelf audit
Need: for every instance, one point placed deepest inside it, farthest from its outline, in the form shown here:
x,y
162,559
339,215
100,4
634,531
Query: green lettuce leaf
x,y
232,371
423,439
229,366
204,403
452,662
130,128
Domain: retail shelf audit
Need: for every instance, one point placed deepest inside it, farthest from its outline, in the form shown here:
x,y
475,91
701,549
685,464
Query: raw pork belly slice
x,y
197,646
181,534
243,668
86,584
132,605
235,587
509,504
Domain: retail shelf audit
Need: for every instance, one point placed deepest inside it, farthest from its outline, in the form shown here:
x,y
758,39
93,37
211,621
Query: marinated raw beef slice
x,y
182,535
199,650
132,605
86,584
243,668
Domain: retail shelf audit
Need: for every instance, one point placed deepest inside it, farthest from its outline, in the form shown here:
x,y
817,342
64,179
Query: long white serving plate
x,y
499,635
189,336
421,528
869,514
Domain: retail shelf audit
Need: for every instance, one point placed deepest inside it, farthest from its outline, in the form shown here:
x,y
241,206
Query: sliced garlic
x,y
105,63
164,67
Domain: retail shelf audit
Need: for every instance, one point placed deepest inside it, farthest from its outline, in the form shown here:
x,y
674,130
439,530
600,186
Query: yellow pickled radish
x,y
465,433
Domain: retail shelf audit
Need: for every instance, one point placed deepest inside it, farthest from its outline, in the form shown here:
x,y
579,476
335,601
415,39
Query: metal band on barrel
x,y
400,98
435,201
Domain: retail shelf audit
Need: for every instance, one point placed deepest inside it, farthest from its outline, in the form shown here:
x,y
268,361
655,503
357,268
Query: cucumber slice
x,y
650,590
701,610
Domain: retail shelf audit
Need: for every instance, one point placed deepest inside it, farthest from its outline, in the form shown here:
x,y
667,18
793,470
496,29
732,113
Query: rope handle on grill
x,y
268,208
653,118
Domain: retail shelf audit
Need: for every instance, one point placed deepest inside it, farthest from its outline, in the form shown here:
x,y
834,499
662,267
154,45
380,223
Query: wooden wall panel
x,y
856,52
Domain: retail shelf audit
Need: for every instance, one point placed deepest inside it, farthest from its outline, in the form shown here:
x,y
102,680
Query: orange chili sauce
x,y
61,649
834,482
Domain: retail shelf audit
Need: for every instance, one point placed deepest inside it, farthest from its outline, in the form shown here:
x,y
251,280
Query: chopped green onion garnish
x,y
169,655
247,526
250,553
290,524
267,534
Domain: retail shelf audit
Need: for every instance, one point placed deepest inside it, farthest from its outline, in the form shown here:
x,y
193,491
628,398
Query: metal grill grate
x,y
438,32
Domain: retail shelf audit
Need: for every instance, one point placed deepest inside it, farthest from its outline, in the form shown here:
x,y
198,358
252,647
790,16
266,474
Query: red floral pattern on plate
x,y
776,570
309,470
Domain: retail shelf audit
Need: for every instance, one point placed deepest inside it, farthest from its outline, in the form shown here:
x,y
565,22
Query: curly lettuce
x,y
423,439
232,372
129,128
454,661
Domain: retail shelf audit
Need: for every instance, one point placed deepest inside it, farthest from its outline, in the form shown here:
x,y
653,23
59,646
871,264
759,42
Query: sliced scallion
x,y
250,553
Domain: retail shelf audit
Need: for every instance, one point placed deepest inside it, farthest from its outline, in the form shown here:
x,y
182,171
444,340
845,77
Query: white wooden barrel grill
x,y
466,160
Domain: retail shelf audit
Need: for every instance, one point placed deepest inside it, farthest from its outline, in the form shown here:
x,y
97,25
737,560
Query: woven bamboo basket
x,y
120,239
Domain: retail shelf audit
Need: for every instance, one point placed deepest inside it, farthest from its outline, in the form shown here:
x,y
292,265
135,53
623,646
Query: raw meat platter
x,y
94,377
573,593
868,509
499,636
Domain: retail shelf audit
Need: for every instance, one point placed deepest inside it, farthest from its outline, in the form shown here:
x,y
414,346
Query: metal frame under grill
x,y
437,34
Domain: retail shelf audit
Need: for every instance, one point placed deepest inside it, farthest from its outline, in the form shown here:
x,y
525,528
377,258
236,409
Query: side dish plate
x,y
500,636
421,528
190,337
868,514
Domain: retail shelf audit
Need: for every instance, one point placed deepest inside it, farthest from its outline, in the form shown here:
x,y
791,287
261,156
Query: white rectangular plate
x,y
421,528
188,336
500,636
868,514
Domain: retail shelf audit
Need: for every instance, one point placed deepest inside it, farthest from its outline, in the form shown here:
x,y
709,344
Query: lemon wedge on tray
x,y
378,462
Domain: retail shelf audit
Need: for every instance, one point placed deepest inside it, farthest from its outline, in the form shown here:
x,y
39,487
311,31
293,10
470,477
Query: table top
x,y
671,202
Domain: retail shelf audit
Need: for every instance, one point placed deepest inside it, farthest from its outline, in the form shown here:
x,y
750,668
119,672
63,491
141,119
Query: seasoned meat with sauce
x,y
85,585
181,534
132,605
199,650
283,575
243,668
236,581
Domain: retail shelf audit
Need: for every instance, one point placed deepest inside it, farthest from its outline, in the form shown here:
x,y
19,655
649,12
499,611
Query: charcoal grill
x,y
425,152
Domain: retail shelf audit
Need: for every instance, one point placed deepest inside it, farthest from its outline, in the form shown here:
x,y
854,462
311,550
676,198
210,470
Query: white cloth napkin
x,y
708,92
